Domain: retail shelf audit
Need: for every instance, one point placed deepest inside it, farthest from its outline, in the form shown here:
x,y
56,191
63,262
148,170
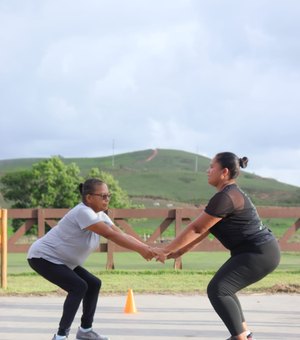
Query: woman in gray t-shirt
x,y
58,256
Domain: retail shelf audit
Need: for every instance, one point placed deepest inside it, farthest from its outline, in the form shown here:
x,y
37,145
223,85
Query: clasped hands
x,y
160,254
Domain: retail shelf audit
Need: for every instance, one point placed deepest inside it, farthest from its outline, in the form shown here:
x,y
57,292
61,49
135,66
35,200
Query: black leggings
x,y
238,272
80,286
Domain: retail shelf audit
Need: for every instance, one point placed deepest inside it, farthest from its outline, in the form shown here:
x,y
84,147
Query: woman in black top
x,y
232,218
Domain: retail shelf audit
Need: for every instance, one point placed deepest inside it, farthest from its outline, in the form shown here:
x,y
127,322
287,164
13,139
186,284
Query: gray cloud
x,y
193,75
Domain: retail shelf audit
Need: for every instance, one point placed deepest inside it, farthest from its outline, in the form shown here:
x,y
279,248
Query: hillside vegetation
x,y
169,177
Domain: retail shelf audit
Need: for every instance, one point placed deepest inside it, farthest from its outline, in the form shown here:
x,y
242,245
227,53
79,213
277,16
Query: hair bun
x,y
80,187
243,162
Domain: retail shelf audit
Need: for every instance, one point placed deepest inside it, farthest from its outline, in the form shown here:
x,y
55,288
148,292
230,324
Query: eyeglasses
x,y
103,196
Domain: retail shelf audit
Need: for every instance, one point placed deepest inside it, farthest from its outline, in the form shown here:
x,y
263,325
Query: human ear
x,y
225,172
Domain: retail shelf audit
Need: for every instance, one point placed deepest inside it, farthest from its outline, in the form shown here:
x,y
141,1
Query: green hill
x,y
170,177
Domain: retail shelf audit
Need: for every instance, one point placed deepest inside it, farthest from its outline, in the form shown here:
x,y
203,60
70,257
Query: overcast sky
x,y
91,78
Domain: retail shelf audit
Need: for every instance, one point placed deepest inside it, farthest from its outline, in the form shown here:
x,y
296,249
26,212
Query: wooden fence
x,y
170,218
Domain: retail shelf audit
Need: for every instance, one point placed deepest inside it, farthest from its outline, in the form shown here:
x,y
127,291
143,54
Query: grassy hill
x,y
170,176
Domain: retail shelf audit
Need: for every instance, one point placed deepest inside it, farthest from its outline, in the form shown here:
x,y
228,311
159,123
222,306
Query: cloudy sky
x,y
89,78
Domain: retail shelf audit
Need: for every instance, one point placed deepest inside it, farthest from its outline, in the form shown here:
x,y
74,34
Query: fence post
x,y
178,225
41,222
3,246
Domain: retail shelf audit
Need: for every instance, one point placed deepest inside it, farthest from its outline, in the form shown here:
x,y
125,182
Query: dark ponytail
x,y
89,186
243,162
80,187
231,161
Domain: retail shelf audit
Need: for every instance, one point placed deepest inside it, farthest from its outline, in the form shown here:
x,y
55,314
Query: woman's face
x,y
215,174
99,199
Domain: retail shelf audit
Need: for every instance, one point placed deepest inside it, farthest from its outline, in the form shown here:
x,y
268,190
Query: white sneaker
x,y
54,337
90,335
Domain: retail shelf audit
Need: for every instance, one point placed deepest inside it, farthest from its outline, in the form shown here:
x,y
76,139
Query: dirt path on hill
x,y
153,155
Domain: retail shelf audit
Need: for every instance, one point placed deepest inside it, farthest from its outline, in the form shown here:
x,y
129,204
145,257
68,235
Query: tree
x,y
52,184
55,184
49,184
17,188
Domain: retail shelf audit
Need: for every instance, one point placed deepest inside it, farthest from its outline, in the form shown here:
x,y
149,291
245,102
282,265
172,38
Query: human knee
x,y
80,287
95,284
211,290
216,289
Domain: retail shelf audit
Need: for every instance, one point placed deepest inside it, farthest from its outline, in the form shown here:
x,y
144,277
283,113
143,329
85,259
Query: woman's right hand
x,y
160,254
147,253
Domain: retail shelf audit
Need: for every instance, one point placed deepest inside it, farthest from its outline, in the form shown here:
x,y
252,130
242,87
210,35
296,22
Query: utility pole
x,y
113,154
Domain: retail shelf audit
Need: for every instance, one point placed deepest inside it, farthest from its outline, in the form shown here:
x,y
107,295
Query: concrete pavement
x,y
159,317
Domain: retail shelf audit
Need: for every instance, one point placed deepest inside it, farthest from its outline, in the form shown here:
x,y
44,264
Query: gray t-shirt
x,y
69,242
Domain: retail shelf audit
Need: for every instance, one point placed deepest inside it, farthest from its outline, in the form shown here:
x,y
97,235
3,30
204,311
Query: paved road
x,y
158,317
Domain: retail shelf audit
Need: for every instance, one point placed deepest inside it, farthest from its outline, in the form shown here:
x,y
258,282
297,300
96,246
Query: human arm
x,y
186,248
114,234
195,232
129,237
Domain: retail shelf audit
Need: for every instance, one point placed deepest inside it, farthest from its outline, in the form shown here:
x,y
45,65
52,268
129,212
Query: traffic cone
x,y
130,305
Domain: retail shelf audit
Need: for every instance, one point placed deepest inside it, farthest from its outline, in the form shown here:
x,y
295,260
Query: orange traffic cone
x,y
130,305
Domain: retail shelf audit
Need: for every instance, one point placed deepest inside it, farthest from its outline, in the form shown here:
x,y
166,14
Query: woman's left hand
x,y
160,254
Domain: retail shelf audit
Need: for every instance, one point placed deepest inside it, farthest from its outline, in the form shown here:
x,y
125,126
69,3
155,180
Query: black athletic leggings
x,y
238,272
80,286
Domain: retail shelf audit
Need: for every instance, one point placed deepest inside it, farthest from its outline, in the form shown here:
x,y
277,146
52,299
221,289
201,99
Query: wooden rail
x,y
170,218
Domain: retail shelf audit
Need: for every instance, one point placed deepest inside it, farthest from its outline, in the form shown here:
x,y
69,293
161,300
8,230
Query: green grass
x,y
151,277
17,263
